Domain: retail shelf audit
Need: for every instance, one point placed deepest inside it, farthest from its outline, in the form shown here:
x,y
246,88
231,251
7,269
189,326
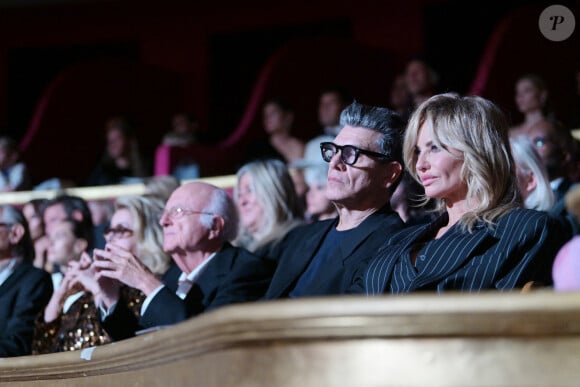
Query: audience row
x,y
460,225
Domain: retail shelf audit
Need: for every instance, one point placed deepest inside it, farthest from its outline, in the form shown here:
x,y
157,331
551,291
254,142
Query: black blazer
x,y
23,296
300,246
520,248
167,308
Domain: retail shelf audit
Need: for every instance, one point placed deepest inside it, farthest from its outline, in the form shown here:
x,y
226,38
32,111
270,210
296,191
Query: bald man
x,y
198,223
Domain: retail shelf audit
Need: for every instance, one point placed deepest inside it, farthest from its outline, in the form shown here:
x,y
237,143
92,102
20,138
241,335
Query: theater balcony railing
x,y
487,339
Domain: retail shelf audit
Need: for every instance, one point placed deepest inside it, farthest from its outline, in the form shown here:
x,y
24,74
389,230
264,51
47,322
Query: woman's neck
x,y
454,212
533,117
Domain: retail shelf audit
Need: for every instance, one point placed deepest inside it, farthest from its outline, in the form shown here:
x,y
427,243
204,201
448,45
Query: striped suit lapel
x,y
379,271
449,255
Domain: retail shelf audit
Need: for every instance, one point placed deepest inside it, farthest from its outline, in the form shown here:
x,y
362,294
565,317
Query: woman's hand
x,y
117,263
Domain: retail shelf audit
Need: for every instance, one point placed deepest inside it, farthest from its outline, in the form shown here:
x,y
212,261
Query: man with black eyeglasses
x,y
198,223
365,165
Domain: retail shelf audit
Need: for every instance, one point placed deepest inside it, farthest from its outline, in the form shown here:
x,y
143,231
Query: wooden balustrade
x,y
488,339
101,192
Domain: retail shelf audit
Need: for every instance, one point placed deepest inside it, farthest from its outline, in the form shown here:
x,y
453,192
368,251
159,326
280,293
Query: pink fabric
x,y
566,268
488,59
162,160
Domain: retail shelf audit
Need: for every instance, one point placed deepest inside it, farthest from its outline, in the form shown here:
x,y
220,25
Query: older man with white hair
x,y
198,223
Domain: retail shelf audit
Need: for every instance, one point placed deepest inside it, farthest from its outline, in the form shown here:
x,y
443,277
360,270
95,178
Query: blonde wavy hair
x,y
273,186
146,212
478,130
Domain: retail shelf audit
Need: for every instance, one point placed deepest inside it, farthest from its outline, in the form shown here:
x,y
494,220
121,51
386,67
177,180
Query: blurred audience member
x,y
101,212
332,101
315,171
68,243
318,206
566,268
531,96
532,177
13,172
267,204
61,208
422,81
400,98
24,289
32,211
554,144
161,186
122,162
277,120
575,120
183,130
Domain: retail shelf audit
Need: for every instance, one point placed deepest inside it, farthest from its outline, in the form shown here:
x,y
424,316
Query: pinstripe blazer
x,y
521,247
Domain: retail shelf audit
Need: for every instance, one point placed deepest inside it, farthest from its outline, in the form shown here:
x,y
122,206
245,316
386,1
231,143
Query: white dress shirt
x,y
185,282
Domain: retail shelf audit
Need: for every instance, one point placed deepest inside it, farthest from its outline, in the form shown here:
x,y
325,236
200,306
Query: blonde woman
x,y
458,149
267,203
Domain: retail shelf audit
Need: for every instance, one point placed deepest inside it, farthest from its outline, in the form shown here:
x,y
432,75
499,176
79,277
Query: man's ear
x,y
392,173
531,183
16,233
217,227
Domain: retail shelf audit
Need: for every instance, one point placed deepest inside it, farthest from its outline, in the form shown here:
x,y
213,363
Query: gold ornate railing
x,y
491,339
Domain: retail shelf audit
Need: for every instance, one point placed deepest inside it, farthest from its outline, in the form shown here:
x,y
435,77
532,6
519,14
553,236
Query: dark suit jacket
x,y
23,296
167,308
560,211
300,246
520,248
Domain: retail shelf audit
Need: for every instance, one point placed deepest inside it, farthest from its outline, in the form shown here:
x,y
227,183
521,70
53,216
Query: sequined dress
x,y
80,327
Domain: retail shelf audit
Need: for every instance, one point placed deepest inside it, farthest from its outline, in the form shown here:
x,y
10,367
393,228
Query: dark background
x,y
218,50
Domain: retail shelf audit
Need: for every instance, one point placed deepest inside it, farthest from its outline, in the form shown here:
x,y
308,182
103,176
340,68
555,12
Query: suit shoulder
x,y
525,218
524,214
34,273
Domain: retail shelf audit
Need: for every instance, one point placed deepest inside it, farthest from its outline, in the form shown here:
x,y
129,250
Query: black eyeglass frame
x,y
357,152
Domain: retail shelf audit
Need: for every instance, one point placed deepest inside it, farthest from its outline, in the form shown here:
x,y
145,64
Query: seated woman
x,y
72,319
14,174
267,204
531,97
121,161
318,206
533,182
277,120
458,149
